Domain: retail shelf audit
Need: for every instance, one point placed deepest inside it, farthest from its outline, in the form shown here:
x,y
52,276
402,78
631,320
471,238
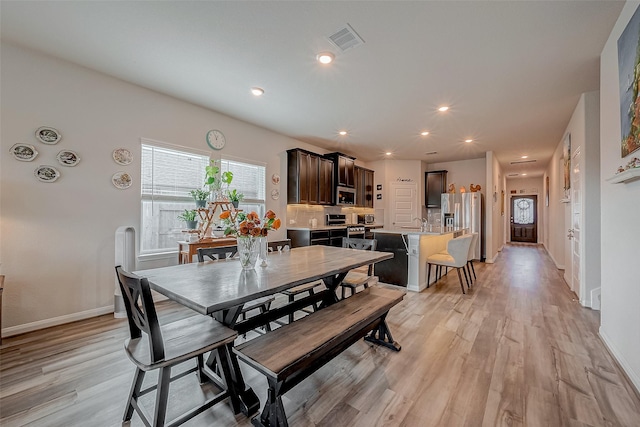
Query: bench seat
x,y
294,351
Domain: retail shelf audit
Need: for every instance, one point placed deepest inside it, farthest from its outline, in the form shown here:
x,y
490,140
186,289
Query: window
x,y
168,175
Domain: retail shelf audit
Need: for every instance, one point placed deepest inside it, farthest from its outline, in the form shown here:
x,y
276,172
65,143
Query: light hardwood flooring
x,y
516,350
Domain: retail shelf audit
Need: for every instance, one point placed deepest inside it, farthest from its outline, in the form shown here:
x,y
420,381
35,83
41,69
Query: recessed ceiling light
x,y
343,132
425,133
388,153
524,174
325,57
468,140
443,108
524,157
257,91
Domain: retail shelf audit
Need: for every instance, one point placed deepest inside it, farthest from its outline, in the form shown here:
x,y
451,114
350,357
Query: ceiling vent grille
x,y
431,152
518,162
346,38
512,175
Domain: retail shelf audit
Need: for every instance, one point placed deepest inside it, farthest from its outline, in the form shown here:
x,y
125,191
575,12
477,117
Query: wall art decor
x,y
628,77
122,156
23,152
546,192
46,173
68,158
48,135
121,180
379,187
378,196
566,159
275,194
275,179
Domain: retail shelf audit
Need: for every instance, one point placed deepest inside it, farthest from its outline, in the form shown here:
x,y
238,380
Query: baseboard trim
x,y
492,260
558,266
55,321
625,368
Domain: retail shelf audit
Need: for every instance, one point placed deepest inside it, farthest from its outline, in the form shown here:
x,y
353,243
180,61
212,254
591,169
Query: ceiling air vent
x,y
431,152
518,162
346,38
512,175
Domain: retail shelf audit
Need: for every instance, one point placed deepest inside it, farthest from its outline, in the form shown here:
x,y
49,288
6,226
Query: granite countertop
x,y
416,231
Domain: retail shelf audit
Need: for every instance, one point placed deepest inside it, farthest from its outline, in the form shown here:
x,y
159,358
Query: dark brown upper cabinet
x,y
435,183
309,178
364,187
344,169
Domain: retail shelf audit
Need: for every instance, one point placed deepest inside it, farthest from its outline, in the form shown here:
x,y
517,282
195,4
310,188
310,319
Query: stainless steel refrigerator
x,y
464,210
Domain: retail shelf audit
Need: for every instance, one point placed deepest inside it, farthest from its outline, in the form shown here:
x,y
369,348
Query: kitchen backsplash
x,y
301,215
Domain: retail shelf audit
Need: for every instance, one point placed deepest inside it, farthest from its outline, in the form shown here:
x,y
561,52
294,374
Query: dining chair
x,y
152,346
472,256
455,257
358,277
225,252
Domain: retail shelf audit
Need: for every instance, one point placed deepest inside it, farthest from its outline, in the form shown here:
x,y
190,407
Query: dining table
x,y
221,288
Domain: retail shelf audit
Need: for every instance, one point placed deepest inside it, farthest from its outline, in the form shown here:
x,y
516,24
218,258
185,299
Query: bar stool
x,y
456,256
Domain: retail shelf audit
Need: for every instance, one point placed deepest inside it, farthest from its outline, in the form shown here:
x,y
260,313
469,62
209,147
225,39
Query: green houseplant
x,y
189,217
235,197
214,179
200,196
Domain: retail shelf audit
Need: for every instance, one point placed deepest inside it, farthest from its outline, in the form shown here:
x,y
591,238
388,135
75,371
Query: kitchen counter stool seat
x,y
455,257
161,347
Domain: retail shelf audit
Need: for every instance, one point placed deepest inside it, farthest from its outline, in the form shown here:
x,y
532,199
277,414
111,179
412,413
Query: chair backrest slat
x,y
216,253
141,311
363,244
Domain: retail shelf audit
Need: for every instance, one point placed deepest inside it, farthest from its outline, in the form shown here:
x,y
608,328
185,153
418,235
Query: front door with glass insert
x,y
523,219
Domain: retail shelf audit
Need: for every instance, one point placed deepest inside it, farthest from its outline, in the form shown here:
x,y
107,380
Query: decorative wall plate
x,y
46,173
48,135
24,152
68,158
121,180
275,178
122,156
275,194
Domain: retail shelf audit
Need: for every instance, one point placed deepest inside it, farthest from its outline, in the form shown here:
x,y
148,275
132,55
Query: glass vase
x,y
263,252
248,249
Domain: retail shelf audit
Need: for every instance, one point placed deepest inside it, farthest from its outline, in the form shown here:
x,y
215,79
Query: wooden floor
x,y
516,350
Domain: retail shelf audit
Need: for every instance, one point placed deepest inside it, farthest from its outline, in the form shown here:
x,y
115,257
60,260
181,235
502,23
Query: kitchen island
x,y
411,247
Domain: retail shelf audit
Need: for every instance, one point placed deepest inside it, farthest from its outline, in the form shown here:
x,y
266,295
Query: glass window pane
x,y
523,211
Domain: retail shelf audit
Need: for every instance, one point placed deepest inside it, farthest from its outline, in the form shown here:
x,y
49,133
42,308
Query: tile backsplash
x,y
301,215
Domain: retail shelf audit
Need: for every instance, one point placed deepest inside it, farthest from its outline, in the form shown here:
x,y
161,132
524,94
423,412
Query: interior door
x,y
576,221
524,222
404,204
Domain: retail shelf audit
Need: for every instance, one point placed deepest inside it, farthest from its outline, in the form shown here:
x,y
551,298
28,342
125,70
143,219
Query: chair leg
x,y
138,377
291,299
474,270
466,279
162,397
468,271
460,278
428,274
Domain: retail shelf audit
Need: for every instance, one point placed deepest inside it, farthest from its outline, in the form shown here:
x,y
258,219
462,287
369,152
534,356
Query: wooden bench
x,y
294,351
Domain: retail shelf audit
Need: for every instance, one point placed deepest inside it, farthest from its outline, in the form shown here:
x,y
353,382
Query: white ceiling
x,y
512,72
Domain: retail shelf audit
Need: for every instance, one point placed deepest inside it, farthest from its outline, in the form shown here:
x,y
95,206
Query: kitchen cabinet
x,y
435,183
307,237
364,187
309,178
344,169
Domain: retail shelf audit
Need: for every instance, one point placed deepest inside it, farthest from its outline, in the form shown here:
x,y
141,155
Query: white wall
x,y
495,220
57,247
462,173
554,214
620,204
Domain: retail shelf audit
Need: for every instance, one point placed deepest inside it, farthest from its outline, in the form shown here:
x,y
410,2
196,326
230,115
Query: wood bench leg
x,y
273,414
381,335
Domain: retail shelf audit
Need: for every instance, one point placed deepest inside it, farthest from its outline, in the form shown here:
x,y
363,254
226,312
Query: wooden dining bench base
x,y
294,351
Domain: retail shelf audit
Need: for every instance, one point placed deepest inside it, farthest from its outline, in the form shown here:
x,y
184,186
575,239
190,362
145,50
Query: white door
x,y
404,204
575,227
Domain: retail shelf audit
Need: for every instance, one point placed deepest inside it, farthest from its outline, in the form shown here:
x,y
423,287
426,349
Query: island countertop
x,y
416,231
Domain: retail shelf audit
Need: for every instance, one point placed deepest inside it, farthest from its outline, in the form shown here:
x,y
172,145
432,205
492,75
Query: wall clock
x,y
216,139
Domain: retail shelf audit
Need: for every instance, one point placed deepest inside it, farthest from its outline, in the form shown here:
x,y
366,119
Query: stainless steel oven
x,y
356,232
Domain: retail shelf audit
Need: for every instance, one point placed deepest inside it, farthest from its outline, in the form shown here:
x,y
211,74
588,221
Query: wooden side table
x,y
186,250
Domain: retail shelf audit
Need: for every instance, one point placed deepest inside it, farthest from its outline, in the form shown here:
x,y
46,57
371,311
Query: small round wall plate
x,y
275,194
48,135
275,178
68,158
122,156
121,180
23,152
46,173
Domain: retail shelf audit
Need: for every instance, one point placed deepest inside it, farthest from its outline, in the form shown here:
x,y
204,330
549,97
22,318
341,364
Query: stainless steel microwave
x,y
345,196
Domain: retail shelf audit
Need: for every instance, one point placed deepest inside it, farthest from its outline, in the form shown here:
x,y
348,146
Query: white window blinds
x,y
171,173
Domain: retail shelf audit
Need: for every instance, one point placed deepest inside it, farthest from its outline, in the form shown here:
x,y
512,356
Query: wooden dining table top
x,y
211,286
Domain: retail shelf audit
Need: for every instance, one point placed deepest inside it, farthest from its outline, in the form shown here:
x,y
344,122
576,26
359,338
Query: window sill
x,y
157,256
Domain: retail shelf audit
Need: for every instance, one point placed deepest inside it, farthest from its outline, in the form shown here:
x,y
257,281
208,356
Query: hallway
x,y
516,350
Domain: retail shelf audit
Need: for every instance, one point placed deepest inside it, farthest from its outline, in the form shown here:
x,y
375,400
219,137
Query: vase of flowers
x,y
249,230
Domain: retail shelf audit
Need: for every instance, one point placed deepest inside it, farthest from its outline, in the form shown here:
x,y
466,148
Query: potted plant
x,y
189,217
200,196
214,179
235,198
